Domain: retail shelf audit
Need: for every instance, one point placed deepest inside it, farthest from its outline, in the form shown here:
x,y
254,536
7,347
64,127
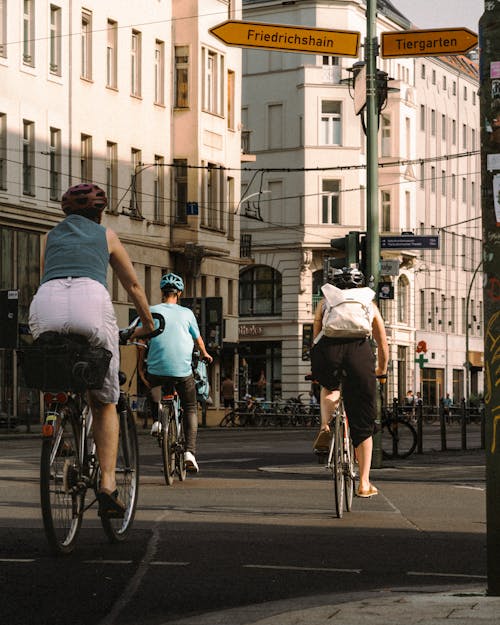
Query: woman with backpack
x,y
342,356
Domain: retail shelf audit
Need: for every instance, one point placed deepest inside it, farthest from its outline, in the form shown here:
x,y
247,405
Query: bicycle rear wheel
x,y
399,439
337,468
61,492
127,476
349,474
168,440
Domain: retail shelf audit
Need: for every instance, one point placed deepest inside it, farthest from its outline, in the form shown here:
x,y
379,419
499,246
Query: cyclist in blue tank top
x,y
169,360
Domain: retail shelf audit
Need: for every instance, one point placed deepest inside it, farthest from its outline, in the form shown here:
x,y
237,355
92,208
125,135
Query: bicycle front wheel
x,y
61,492
399,439
337,468
127,477
168,443
349,474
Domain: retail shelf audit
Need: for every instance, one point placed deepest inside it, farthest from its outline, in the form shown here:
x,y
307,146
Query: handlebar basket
x,y
64,362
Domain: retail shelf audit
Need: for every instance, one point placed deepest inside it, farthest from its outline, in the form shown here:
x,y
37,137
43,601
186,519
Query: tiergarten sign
x,y
437,42
287,38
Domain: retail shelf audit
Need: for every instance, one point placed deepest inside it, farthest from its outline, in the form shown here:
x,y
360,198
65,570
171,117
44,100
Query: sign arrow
x,y
287,38
437,42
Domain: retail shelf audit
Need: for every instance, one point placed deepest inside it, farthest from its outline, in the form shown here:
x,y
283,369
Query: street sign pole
x,y
372,231
489,82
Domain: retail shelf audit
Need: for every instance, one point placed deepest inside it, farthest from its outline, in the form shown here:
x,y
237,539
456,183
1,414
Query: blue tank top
x,y
77,248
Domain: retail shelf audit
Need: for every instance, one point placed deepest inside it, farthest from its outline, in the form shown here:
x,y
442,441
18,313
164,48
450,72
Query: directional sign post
x,y
287,38
438,42
405,242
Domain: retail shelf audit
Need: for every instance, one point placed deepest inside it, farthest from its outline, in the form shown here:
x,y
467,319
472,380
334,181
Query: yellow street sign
x,y
437,42
287,38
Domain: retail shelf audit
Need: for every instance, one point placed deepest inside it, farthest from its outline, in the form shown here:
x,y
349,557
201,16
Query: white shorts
x,y
82,306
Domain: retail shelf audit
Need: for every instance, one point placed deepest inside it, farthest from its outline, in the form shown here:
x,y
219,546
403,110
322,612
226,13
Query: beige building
x,y
309,186
145,102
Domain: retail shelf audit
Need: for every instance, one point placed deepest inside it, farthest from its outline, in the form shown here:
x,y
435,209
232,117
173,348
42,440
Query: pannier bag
x,y
64,362
348,313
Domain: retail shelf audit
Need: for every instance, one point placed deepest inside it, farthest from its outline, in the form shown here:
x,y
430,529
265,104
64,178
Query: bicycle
x,y
69,466
399,437
171,438
341,460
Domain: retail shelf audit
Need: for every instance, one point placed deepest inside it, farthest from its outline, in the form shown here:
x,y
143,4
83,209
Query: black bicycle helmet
x,y
347,278
85,199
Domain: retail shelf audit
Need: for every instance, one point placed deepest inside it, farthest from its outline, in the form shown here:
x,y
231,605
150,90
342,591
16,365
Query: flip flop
x,y
110,505
370,492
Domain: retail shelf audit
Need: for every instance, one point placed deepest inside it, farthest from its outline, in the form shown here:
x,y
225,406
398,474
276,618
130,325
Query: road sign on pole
x,y
406,242
287,38
436,42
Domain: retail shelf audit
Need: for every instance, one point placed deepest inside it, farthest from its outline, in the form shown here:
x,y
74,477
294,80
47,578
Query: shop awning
x,y
476,359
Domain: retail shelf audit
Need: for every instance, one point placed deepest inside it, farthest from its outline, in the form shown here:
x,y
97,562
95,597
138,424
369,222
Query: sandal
x,y
110,505
322,441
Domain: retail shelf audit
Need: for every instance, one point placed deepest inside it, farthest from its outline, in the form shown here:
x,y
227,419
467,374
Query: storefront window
x,y
260,370
260,292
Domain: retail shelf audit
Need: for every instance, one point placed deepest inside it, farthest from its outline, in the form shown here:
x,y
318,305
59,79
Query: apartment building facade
x,y
108,92
309,186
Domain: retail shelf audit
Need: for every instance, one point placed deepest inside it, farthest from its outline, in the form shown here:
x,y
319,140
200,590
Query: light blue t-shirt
x,y
171,351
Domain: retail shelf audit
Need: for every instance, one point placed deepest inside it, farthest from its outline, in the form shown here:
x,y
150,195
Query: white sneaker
x,y
190,460
155,428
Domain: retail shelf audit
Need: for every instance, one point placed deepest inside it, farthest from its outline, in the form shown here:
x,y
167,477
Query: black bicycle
x,y
399,437
69,466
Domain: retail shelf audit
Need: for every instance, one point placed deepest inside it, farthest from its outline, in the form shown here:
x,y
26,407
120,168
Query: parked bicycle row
x,y
281,413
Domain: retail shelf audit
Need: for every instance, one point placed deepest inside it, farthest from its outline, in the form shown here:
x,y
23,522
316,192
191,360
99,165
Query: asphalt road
x,y
255,528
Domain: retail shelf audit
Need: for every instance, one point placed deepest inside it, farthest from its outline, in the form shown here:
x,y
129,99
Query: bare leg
x,y
328,403
364,456
106,432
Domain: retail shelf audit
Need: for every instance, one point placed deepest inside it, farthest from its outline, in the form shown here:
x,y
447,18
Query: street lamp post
x,y
467,362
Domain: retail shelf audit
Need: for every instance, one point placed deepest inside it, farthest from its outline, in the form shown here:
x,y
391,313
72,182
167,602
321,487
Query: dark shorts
x,y
228,402
349,363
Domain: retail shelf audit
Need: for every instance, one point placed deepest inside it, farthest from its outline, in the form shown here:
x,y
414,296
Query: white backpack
x,y
348,312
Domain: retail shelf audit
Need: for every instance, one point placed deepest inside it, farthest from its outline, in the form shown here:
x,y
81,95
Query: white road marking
x,y
222,460
165,563
470,487
20,560
299,568
461,575
108,562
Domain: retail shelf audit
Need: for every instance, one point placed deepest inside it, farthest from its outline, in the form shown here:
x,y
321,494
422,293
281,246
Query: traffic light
x,y
349,244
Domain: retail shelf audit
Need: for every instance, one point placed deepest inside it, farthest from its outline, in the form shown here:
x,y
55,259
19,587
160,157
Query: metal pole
x,y
489,45
372,231
467,363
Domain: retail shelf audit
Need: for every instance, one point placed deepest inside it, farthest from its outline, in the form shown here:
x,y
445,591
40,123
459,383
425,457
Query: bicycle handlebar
x,y
127,332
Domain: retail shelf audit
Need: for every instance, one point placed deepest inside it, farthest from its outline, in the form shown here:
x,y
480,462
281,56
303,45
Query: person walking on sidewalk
x,y
169,361
227,391
343,323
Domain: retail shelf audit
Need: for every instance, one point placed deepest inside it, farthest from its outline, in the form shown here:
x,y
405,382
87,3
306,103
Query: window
x,y
230,297
231,82
181,99
433,76
55,164
86,46
473,138
422,71
3,28
464,190
385,197
28,157
465,93
29,33
260,292
275,125
111,175
474,98
464,252
385,136
473,193
403,300
433,179
443,182
135,64
212,200
231,207
135,181
433,122
453,186
180,189
3,151
331,127
422,175
452,321
453,249
159,189
443,127
159,72
212,81
330,202
464,316
464,136
422,117
331,69
454,132
444,83
55,40
112,55
423,324
454,88
86,158
432,312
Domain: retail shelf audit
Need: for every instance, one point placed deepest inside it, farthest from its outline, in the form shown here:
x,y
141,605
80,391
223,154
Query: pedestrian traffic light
x,y
349,244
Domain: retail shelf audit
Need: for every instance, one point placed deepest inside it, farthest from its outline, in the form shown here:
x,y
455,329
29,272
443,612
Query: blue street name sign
x,y
409,242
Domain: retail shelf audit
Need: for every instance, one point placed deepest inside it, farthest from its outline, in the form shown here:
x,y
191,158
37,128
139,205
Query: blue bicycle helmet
x,y
171,281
